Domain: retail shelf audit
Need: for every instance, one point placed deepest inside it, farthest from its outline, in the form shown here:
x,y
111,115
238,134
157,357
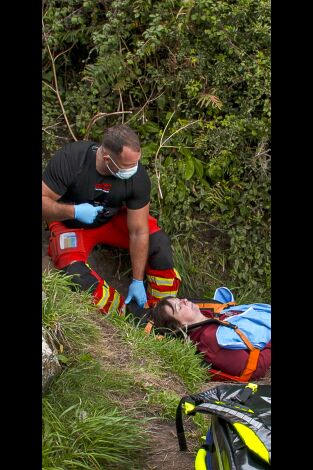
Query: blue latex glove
x,y
86,212
137,291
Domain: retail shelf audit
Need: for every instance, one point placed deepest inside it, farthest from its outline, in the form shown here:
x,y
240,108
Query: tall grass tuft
x,y
97,438
66,312
164,402
85,424
200,277
90,381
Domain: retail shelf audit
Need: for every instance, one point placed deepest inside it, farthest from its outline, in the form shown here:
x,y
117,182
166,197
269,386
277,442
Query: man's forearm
x,y
138,249
53,210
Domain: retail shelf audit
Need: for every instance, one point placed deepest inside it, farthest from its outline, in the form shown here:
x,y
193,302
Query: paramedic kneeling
x,y
100,194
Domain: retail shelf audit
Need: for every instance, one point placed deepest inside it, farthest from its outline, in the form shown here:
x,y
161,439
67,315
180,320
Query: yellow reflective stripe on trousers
x,y
159,295
160,281
163,281
252,441
177,274
115,302
105,296
200,460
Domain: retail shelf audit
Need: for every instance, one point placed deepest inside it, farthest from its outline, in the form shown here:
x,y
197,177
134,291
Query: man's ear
x,y
106,158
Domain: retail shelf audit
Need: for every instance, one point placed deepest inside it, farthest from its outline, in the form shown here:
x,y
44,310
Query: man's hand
x,y
137,291
86,212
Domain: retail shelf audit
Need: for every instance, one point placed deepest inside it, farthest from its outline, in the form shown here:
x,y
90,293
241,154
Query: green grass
x,y
90,380
96,413
202,268
85,424
66,312
162,402
90,438
200,275
164,356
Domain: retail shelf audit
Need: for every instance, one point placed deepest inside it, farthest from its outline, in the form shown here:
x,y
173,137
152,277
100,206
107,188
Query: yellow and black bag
x,y
239,433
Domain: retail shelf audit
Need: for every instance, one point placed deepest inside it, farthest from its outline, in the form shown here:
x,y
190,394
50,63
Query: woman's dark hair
x,y
161,319
116,137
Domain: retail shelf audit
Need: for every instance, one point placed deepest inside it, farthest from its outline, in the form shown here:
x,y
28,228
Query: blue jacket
x,y
254,322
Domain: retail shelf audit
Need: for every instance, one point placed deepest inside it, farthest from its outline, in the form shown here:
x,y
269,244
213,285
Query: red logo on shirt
x,y
103,187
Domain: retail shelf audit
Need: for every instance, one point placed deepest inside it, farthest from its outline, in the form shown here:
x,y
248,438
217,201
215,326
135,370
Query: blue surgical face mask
x,y
123,173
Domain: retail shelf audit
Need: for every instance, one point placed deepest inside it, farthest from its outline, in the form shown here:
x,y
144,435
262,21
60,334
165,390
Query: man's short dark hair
x,y
116,137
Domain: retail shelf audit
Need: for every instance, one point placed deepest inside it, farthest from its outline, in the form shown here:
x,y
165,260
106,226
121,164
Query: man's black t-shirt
x,y
72,174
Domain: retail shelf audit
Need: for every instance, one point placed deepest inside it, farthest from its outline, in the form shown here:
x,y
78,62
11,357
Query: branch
x,y
263,153
178,130
157,172
54,135
99,116
157,153
122,104
49,86
64,52
146,103
56,82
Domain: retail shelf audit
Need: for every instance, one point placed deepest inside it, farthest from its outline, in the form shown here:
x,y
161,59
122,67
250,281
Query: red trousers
x,y
70,248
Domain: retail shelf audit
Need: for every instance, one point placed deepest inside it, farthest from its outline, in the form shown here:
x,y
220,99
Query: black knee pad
x,y
139,315
82,276
160,251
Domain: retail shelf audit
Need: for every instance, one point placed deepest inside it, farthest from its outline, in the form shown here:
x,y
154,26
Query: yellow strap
x,y
253,387
252,441
200,460
188,407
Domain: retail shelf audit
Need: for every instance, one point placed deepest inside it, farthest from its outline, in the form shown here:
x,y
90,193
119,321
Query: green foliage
x,y
172,63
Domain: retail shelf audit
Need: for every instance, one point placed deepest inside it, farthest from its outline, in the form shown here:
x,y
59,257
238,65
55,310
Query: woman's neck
x,y
198,318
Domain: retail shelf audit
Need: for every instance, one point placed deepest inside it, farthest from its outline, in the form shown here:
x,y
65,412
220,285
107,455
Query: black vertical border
x,y
20,216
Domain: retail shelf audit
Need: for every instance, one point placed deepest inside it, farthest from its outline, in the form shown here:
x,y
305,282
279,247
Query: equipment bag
x,y
239,433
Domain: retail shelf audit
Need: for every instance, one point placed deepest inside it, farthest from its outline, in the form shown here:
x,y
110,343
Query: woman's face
x,y
184,311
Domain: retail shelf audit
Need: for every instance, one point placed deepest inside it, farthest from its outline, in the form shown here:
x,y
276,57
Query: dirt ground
x,y
112,264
